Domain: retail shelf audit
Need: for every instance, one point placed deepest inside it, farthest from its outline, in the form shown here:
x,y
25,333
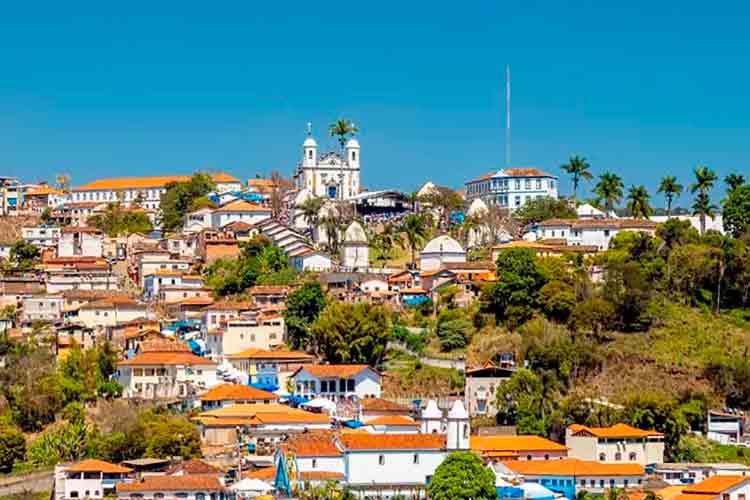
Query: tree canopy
x,y
180,197
462,476
303,306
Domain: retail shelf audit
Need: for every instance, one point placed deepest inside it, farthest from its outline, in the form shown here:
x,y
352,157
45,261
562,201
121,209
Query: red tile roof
x,y
166,358
513,444
146,182
173,483
361,442
268,355
393,420
615,431
193,467
334,371
573,467
92,465
241,206
715,485
313,444
379,404
236,392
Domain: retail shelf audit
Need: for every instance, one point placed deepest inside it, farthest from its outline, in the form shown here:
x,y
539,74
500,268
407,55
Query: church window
x,y
309,154
415,459
381,460
354,156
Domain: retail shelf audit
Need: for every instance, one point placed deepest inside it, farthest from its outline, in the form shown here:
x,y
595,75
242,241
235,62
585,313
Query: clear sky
x,y
645,89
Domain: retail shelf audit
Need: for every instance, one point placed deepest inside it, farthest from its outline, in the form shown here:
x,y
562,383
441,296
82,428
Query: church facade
x,y
329,175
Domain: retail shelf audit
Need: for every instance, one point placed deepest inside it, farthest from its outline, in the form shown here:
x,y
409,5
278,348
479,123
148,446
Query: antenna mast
x,y
507,116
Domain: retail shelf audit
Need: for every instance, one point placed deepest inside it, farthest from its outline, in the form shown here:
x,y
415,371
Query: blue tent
x,y
265,387
295,401
281,481
352,424
415,301
195,347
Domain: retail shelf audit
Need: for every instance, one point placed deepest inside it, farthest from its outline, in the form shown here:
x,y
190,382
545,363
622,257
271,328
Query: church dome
x,y
352,143
355,234
477,207
302,197
310,143
458,411
443,244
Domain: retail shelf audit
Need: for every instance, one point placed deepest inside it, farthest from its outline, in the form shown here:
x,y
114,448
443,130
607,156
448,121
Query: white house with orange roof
x,y
156,283
89,479
239,211
230,394
111,310
620,443
512,187
272,368
146,191
80,241
337,382
734,487
393,424
189,487
262,330
503,448
591,233
218,313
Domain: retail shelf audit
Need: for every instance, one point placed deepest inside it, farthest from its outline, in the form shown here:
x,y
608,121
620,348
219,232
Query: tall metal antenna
x,y
507,116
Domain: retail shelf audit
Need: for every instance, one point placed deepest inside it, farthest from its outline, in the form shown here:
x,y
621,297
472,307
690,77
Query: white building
x,y
619,443
80,241
89,479
329,175
512,187
41,236
239,210
590,232
188,487
337,381
439,251
42,308
715,223
145,191
354,248
691,473
308,259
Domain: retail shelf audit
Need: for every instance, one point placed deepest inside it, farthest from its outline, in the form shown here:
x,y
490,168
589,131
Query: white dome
x,y
352,143
477,206
302,197
443,244
458,411
355,234
310,143
432,410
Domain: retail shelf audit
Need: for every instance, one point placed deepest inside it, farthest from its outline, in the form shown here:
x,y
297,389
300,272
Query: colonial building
x,y
590,233
89,479
337,381
619,443
439,251
481,388
329,175
512,187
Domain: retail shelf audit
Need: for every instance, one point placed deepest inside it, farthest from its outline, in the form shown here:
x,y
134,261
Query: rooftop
x,y
573,467
334,371
393,420
236,392
173,483
268,355
92,465
514,444
146,182
166,358
362,442
715,485
615,431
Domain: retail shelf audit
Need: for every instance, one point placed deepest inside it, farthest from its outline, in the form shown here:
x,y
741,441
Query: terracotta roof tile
x,y
166,358
269,473
715,485
146,182
275,355
392,420
615,431
600,223
242,206
98,466
379,404
573,467
358,442
313,444
236,392
194,466
338,371
513,443
173,483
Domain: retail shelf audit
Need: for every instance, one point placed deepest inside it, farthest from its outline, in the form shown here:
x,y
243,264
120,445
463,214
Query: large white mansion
x,y
512,187
329,175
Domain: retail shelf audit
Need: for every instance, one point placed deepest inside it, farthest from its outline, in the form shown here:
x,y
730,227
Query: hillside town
x,y
300,336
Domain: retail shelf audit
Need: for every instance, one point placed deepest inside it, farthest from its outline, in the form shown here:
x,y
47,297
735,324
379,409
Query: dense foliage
x,y
544,208
303,306
118,221
181,197
462,476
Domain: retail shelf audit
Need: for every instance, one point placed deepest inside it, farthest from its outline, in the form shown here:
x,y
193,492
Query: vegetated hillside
x,y
674,356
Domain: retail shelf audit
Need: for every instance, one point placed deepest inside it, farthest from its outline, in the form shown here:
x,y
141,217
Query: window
x,y
546,456
73,494
309,154
314,463
741,496
602,457
528,457
539,183
618,456
518,184
323,386
606,233
601,483
625,483
342,385
725,496
527,184
415,460
381,459
612,483
350,385
633,456
158,495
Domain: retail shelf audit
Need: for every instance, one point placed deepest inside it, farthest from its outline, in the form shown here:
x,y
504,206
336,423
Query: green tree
x,y
520,401
594,315
310,210
609,190
117,221
733,181
303,306
671,189
168,436
452,329
704,182
178,199
342,130
23,255
413,233
515,295
558,300
639,204
578,168
736,212
352,333
445,200
12,447
383,242
462,476
541,209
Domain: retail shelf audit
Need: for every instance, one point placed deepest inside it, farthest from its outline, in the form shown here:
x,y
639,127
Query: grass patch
x,y
417,379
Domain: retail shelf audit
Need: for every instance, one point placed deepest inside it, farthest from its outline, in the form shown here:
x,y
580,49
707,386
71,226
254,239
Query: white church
x,y
328,175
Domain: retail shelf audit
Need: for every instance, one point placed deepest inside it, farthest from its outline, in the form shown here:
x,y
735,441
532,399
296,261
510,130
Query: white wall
x,y
399,468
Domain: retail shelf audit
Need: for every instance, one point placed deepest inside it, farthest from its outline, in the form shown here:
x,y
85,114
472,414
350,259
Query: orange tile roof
x,y
413,290
392,420
265,354
694,496
262,290
514,443
92,465
146,182
81,229
313,444
360,442
615,431
525,172
194,466
236,392
166,358
43,190
242,206
113,301
379,404
230,306
337,371
196,301
269,473
173,483
573,467
260,414
715,485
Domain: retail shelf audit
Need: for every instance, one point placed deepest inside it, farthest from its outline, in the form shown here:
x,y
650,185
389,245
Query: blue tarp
x,y
265,387
297,400
352,424
195,347
415,301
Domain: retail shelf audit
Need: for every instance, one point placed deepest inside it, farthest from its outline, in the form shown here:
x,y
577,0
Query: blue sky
x,y
143,88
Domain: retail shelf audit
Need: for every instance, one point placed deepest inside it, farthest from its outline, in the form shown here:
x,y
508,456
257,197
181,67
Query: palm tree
x,y
638,202
578,168
310,209
609,190
671,189
342,130
704,181
651,495
733,181
616,494
414,232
